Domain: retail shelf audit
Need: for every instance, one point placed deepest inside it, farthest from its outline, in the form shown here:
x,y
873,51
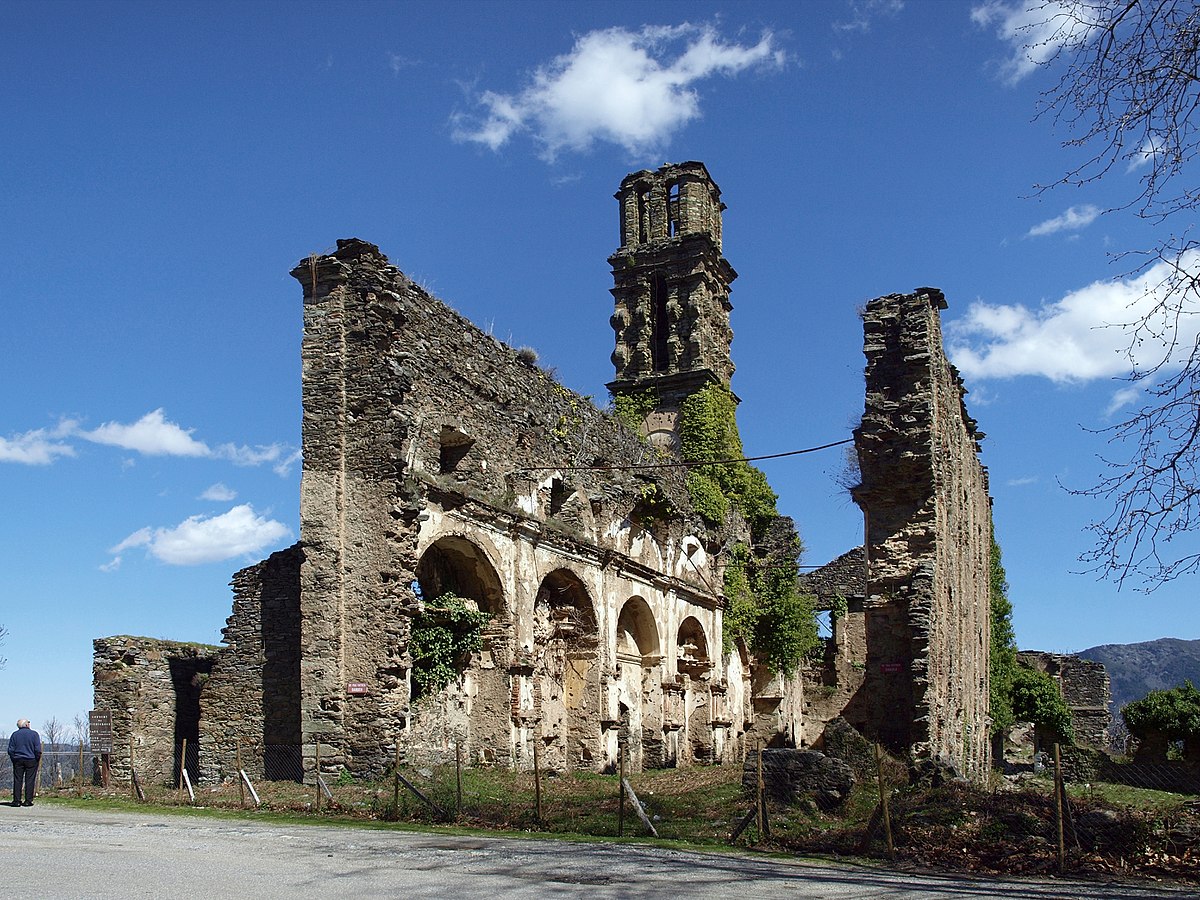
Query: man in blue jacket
x,y
25,751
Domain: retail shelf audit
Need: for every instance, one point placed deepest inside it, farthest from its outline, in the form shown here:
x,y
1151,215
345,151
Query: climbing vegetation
x,y
444,634
1002,656
708,431
631,409
766,609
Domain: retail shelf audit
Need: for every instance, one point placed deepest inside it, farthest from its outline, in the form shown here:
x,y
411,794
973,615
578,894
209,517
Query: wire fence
x,y
1070,811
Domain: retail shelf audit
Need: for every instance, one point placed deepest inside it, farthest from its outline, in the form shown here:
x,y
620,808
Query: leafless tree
x,y
1128,93
53,731
3,635
82,728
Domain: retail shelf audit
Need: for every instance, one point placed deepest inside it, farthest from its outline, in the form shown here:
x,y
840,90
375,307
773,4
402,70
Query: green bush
x,y
1036,698
1174,712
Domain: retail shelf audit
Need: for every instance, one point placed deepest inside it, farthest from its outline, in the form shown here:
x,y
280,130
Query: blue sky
x,y
163,166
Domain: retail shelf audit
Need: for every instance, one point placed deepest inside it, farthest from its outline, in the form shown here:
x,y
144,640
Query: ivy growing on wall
x,y
631,409
444,634
1002,656
765,607
708,431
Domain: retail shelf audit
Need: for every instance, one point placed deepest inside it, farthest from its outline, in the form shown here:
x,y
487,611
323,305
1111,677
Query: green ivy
x,y
1174,712
1036,698
766,609
444,634
631,409
708,431
1002,656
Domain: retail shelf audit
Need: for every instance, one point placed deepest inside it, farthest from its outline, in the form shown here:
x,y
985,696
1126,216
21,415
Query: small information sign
x,y
100,730
357,687
891,668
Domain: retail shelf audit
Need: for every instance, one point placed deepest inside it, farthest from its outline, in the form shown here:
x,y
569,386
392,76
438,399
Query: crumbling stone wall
x,y
437,458
152,688
924,496
833,677
250,707
1085,687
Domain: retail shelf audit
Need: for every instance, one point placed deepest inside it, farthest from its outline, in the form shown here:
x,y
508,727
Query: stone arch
x,y
638,661
454,564
474,710
637,632
566,640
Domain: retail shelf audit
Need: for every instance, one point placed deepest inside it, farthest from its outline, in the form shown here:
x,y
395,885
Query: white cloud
x,y
633,89
1073,219
249,456
1034,32
218,492
1121,399
1021,482
284,466
112,565
152,435
1081,337
862,13
35,448
200,539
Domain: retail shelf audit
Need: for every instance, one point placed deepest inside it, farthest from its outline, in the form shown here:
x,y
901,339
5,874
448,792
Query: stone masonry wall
x,y
152,688
924,495
250,707
427,439
1086,688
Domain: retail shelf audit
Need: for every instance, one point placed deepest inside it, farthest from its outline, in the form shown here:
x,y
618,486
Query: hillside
x,y
1136,669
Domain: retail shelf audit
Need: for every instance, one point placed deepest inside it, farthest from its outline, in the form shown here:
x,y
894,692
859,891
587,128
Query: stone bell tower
x,y
671,286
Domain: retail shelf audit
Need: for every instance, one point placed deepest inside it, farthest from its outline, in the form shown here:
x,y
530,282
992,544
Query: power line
x,y
682,465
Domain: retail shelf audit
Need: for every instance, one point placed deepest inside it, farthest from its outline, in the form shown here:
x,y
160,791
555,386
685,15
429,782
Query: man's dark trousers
x,y
24,772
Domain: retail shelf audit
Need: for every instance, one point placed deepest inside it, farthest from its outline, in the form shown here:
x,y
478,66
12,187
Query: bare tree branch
x,y
1129,91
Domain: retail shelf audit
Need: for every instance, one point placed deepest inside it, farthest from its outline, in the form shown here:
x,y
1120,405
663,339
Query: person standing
x,y
25,751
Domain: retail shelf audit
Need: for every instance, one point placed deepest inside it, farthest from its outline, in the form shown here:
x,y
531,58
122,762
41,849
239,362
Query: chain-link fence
x,y
61,767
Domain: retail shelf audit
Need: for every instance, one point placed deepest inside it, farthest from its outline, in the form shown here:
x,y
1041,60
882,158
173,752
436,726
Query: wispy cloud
x,y
1126,396
1081,337
1034,33
1021,482
1074,219
200,539
629,88
219,493
152,435
862,14
37,448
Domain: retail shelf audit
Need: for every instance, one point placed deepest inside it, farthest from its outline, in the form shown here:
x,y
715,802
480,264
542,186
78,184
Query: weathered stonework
x,y
1086,690
438,460
924,497
152,688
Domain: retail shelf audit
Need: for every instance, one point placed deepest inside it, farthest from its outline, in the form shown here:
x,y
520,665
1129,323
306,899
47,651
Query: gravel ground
x,y
60,851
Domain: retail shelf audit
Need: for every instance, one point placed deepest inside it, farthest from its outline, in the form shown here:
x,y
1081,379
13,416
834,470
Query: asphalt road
x,y
64,852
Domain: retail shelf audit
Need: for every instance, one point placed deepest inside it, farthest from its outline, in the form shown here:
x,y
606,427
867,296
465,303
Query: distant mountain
x,y
1137,669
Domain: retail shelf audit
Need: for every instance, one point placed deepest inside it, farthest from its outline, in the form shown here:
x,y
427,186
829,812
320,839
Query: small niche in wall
x,y
454,448
559,492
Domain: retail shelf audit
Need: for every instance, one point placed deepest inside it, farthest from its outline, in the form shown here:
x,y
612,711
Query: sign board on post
x,y
100,730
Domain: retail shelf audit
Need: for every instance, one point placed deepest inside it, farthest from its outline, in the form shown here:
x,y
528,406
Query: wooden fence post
x,y
458,777
237,744
1058,810
537,782
317,769
620,789
884,801
760,814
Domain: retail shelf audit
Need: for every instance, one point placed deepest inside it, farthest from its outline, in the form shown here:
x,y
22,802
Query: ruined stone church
x,y
440,462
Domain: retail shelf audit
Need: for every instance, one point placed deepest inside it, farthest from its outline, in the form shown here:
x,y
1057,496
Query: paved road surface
x,y
63,852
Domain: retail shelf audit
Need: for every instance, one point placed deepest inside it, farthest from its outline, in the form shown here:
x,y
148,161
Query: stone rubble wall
x,y
1085,687
152,688
925,497
250,707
